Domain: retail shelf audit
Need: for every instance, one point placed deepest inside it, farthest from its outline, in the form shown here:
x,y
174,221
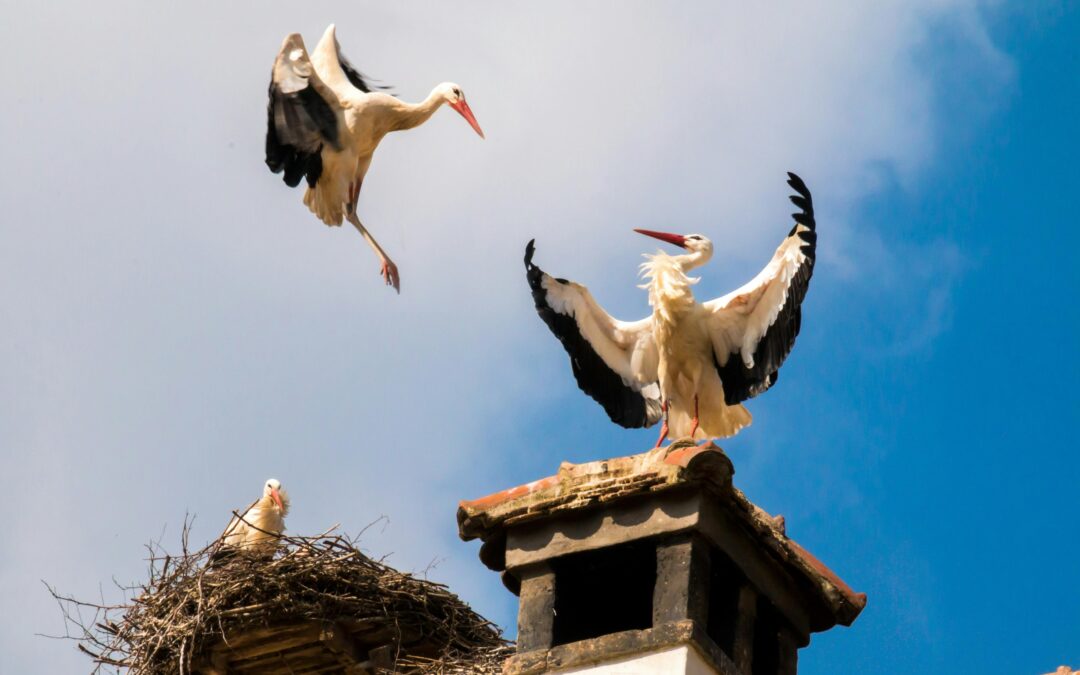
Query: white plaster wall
x,y
681,660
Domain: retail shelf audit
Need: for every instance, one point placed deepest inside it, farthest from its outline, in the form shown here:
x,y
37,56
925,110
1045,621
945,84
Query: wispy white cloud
x,y
178,328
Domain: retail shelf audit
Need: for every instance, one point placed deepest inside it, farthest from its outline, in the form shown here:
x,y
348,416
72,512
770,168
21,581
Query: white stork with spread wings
x,y
691,364
324,123
258,528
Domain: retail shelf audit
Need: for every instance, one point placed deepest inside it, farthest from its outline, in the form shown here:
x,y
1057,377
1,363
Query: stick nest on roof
x,y
317,602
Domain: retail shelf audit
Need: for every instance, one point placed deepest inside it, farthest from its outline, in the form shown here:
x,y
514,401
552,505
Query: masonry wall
x,y
681,660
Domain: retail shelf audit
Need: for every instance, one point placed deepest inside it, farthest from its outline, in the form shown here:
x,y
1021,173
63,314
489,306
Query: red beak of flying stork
x,y
676,239
465,111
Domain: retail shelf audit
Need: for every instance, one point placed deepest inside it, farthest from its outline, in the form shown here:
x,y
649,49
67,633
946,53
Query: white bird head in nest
x,y
276,495
454,96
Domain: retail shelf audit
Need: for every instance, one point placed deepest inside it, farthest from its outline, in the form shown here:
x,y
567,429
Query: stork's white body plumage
x,y
690,364
325,122
685,368
259,527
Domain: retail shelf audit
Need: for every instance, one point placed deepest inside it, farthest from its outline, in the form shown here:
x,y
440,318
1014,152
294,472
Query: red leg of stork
x,y
663,427
693,429
389,269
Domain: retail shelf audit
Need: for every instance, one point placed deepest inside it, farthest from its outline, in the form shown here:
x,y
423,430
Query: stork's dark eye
x,y
457,92
694,237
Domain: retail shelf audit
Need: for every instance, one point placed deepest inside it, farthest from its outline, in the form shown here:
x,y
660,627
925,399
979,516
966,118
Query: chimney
x,y
653,563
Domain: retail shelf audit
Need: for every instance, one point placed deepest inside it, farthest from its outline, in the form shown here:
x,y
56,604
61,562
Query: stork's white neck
x,y
668,284
694,259
411,115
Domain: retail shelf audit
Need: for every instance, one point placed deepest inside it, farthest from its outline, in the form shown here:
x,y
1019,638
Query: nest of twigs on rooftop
x,y
190,606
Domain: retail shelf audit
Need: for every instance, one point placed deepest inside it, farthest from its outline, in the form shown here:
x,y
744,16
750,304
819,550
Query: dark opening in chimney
x,y
604,591
725,583
766,639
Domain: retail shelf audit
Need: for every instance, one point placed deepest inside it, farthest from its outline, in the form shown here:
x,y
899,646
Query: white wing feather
x,y
739,319
627,347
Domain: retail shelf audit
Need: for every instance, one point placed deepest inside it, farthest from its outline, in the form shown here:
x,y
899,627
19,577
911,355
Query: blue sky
x,y
178,328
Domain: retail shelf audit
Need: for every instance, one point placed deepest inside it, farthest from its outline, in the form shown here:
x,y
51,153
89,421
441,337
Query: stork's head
x,y
454,96
277,494
695,243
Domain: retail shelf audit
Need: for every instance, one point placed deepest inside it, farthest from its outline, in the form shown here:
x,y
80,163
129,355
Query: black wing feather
x,y
358,79
625,406
741,383
298,123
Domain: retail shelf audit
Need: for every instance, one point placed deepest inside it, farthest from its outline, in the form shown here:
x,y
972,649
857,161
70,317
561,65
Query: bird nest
x,y
317,605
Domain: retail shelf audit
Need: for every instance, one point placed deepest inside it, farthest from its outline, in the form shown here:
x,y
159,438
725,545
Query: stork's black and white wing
x,y
358,79
302,116
614,362
754,327
328,57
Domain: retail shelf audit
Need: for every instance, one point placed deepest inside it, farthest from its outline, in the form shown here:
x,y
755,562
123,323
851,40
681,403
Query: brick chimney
x,y
653,563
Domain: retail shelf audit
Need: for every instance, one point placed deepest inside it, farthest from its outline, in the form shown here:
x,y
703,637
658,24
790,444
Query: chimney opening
x,y
725,584
604,591
766,659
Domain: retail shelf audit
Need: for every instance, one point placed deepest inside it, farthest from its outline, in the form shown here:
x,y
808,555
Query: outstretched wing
x,y
614,362
328,59
302,115
358,79
753,328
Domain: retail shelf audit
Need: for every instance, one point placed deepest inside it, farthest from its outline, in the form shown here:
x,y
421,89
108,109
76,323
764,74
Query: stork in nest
x,y
257,529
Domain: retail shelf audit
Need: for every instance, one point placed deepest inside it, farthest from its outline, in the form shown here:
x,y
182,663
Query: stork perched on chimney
x,y
690,364
325,121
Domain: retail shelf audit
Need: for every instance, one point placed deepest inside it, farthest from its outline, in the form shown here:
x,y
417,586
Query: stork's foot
x,y
693,428
663,435
390,274
664,426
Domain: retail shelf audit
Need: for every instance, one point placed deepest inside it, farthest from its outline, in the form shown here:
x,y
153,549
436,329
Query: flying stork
x,y
325,121
690,364
259,526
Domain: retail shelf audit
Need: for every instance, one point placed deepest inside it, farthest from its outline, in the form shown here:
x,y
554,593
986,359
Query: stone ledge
x,y
619,645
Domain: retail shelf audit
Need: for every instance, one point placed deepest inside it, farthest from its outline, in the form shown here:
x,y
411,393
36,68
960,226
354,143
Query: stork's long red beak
x,y
277,498
676,239
465,111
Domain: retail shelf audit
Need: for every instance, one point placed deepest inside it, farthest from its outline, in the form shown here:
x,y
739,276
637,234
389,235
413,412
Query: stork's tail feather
x,y
327,207
721,421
